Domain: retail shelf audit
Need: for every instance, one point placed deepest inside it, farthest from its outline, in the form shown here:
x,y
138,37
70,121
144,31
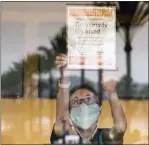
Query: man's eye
x,y
88,99
77,101
73,101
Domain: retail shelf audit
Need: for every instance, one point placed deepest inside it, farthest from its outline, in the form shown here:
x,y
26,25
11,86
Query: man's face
x,y
82,96
84,109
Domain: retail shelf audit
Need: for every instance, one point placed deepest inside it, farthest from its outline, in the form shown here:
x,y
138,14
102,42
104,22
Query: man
x,y
79,110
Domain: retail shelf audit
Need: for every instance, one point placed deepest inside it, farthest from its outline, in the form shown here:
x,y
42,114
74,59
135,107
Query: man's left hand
x,y
110,86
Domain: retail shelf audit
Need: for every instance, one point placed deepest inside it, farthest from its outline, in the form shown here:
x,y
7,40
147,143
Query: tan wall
x,y
31,121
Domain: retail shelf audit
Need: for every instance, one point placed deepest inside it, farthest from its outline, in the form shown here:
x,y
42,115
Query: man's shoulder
x,y
98,136
103,134
104,129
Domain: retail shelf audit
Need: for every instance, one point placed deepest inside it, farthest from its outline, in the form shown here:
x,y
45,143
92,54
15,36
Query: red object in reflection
x,y
82,60
100,60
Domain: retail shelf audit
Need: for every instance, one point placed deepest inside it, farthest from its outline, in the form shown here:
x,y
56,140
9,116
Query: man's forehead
x,y
82,92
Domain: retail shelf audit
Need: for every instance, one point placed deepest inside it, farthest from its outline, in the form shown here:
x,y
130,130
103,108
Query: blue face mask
x,y
85,115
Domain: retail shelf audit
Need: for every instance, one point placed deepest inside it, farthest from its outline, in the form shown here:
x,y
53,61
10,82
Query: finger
x,y
62,54
59,66
61,58
64,58
58,58
58,62
62,64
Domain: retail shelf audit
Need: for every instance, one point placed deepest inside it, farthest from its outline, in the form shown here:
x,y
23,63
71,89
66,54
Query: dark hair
x,y
84,86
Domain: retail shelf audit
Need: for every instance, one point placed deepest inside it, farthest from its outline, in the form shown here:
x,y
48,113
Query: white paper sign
x,y
91,37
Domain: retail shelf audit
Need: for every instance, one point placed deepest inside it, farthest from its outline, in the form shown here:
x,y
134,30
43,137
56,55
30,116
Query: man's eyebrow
x,y
75,97
88,95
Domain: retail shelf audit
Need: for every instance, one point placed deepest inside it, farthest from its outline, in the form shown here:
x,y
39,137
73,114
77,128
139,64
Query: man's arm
x,y
62,102
115,135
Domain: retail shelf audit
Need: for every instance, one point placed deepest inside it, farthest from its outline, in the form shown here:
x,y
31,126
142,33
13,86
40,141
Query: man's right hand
x,y
62,103
61,61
